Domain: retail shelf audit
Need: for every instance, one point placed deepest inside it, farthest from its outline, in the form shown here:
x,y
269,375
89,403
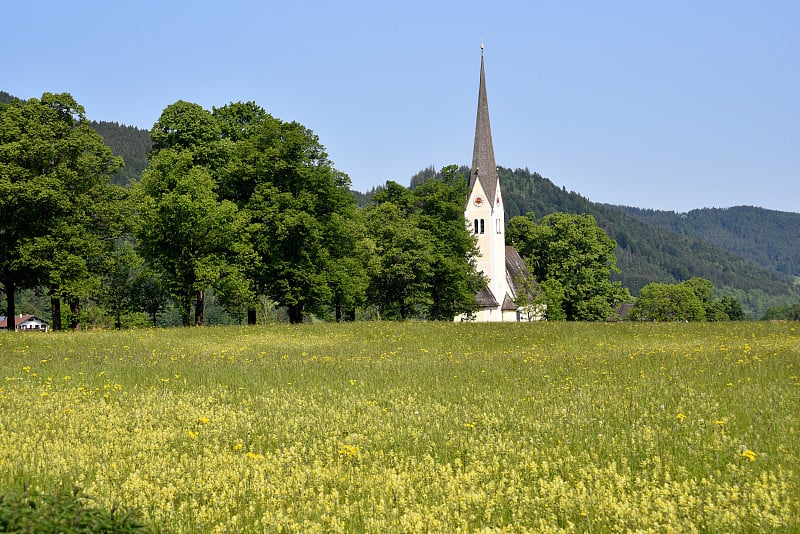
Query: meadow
x,y
413,427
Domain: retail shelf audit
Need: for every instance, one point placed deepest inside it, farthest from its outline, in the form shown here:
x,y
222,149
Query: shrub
x,y
62,512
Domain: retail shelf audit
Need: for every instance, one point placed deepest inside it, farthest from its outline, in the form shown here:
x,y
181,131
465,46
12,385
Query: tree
x,y
454,277
298,205
148,294
185,232
732,308
577,254
118,282
191,236
54,173
347,273
691,300
531,298
400,266
667,302
704,290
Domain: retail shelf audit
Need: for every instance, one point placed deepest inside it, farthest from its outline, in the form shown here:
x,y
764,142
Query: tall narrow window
x,y
481,225
499,228
476,226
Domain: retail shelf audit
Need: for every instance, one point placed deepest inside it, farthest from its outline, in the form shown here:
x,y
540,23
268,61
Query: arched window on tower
x,y
482,226
475,225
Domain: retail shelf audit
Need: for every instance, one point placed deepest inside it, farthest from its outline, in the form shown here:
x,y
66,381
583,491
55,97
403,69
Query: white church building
x,y
484,213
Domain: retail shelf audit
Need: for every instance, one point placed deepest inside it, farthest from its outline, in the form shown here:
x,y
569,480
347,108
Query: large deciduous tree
x,y
400,265
193,238
299,207
667,302
454,278
573,257
423,261
691,300
54,199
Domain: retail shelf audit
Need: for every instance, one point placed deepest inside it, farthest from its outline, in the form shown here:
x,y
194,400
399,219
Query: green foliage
x,y
301,215
454,279
63,512
6,98
424,259
732,308
575,252
692,300
790,313
400,264
186,233
57,208
667,302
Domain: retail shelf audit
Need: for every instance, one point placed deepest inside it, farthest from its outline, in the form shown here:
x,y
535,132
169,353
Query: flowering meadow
x,y
412,427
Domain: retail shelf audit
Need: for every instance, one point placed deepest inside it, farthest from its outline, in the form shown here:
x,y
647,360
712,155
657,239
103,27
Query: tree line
x,y
243,208
233,201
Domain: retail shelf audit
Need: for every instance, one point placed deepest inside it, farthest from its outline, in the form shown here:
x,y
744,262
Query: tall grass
x,y
415,426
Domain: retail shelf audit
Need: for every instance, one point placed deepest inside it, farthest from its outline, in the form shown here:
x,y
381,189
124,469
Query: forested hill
x,y
6,98
129,142
651,253
770,238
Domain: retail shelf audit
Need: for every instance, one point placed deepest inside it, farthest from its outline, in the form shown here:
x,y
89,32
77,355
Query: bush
x,y
62,512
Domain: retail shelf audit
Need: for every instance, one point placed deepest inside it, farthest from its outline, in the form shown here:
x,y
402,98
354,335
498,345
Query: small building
x,y
25,323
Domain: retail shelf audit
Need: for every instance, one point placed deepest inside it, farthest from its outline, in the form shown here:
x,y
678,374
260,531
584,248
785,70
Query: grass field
x,y
385,427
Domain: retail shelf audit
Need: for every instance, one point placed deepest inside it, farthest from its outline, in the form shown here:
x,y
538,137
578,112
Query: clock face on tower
x,y
478,201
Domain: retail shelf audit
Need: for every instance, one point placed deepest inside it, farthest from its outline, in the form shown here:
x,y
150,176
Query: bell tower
x,y
484,210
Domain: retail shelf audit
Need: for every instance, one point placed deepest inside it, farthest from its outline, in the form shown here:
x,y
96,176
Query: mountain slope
x,y
767,237
651,253
129,142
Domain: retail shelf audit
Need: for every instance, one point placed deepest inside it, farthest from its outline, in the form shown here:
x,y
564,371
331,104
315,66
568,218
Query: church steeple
x,y
484,216
484,168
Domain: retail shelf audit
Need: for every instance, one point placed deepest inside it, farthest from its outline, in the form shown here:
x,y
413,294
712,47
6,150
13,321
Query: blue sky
x,y
665,105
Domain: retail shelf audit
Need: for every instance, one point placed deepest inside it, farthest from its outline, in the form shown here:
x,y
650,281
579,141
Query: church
x,y
485,217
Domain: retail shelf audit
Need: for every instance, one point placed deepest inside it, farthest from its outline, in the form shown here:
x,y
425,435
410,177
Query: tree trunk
x,y
251,316
296,314
55,309
199,308
435,299
351,315
75,315
185,303
10,305
338,313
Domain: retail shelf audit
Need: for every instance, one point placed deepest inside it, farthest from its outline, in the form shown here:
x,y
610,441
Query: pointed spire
x,y
484,167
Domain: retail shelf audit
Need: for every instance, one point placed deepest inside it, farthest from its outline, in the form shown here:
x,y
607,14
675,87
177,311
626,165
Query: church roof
x,y
484,168
508,303
515,270
486,299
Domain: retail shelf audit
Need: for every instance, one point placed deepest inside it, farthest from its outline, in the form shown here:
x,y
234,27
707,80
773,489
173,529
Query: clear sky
x,y
666,105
